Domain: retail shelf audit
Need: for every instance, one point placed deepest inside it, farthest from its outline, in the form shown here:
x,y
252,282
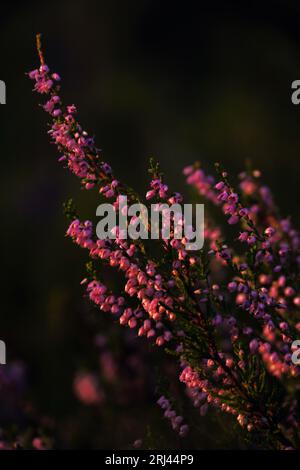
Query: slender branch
x,y
39,48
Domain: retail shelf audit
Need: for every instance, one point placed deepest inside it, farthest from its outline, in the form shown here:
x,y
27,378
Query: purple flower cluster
x,y
229,315
170,413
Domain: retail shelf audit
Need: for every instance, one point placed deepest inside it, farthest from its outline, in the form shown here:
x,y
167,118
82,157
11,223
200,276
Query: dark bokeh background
x,y
150,78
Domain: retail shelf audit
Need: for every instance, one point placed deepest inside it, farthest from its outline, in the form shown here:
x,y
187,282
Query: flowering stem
x,y
39,48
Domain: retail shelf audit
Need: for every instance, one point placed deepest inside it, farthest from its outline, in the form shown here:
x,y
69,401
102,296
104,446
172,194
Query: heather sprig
x,y
228,313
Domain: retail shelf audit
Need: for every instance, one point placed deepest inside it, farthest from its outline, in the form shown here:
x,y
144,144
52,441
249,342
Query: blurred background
x,y
174,80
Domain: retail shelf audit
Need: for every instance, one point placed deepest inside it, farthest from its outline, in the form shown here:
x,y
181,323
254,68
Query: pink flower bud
x,y
160,340
253,345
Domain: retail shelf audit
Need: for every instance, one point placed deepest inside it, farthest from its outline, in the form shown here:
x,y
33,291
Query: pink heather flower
x,y
233,198
248,187
87,389
264,279
240,299
71,109
33,75
229,363
167,335
251,240
160,340
289,291
132,322
38,444
44,68
151,333
219,186
297,301
89,186
223,196
56,77
43,86
269,232
188,170
232,286
281,281
243,236
243,212
242,420
150,194
283,326
234,219
253,345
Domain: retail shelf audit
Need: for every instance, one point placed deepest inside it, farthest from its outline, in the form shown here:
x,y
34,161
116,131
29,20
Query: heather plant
x,y
228,313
